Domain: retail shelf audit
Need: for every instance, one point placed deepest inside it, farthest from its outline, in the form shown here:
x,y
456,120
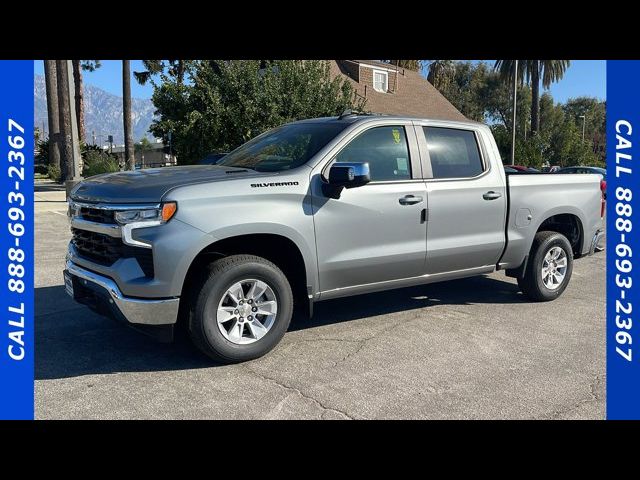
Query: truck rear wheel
x,y
242,310
549,269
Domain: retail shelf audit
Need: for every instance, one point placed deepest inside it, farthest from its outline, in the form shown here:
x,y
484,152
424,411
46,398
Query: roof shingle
x,y
414,96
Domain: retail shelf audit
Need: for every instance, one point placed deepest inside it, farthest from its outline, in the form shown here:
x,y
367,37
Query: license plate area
x,y
68,284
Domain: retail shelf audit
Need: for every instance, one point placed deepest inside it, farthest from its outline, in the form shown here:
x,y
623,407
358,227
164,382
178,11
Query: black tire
x,y
222,274
531,284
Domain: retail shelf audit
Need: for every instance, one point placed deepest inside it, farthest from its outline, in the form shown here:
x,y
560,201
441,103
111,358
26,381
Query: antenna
x,y
346,113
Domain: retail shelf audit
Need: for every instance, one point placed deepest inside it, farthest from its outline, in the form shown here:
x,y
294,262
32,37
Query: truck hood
x,y
150,185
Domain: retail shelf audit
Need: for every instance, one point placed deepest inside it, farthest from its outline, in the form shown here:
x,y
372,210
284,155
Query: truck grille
x,y
98,215
105,250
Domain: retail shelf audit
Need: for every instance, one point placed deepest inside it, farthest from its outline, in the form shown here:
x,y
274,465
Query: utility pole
x,y
515,101
584,122
53,113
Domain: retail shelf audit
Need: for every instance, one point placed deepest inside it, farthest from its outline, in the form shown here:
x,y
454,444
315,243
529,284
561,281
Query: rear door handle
x,y
491,195
410,200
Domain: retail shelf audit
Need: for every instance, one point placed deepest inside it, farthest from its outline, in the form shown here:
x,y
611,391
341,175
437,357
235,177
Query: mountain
x,y
103,113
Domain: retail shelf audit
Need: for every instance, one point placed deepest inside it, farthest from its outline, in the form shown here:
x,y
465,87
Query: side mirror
x,y
346,175
349,175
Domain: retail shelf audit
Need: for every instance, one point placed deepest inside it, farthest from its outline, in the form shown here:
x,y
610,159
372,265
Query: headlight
x,y
162,214
73,209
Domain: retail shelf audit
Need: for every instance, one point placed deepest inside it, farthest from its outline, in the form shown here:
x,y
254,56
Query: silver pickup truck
x,y
315,210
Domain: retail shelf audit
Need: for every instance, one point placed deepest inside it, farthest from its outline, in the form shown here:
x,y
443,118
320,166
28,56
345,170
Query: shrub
x,y
42,152
97,162
54,173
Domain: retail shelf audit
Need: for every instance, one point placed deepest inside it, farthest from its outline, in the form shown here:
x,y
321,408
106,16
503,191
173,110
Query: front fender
x,y
306,248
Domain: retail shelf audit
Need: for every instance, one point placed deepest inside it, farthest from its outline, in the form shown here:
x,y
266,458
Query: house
x,y
392,90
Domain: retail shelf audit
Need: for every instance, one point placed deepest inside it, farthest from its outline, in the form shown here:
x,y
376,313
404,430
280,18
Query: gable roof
x,y
413,97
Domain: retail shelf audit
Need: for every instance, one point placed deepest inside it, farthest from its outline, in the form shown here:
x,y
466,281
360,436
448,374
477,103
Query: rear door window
x,y
454,153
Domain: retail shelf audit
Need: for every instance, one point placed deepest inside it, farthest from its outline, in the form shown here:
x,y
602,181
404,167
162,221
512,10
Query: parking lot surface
x,y
467,349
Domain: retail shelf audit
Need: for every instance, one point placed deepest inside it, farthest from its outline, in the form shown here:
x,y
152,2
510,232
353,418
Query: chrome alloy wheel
x,y
554,268
247,311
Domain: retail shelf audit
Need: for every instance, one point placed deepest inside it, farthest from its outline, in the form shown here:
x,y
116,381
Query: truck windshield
x,y
283,148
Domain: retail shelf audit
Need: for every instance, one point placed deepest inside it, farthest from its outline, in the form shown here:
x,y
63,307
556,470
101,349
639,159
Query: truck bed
x,y
534,197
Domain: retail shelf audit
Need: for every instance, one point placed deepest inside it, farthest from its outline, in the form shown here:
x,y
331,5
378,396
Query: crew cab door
x,y
376,232
467,198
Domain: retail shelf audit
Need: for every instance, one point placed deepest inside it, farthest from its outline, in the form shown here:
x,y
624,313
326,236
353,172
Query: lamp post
x,y
584,122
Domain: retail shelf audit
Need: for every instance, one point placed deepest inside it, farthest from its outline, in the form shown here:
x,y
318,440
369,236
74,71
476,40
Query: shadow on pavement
x,y
466,291
48,187
72,341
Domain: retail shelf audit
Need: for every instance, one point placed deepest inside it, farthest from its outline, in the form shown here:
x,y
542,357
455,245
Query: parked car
x,y
508,169
590,170
211,159
551,169
315,210
522,168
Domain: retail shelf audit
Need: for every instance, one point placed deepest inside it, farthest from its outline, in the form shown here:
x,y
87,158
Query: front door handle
x,y
410,200
491,195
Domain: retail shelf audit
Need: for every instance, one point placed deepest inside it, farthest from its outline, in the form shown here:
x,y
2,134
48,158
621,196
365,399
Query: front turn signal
x,y
168,210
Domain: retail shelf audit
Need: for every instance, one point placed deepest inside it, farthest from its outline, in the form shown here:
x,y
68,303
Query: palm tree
x,y
53,115
129,157
441,72
78,67
65,125
531,71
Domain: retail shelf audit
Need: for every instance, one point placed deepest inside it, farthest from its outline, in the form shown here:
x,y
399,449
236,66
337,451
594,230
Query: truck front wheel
x,y
242,310
549,269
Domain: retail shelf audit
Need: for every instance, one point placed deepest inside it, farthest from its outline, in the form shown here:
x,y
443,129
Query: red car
x,y
522,168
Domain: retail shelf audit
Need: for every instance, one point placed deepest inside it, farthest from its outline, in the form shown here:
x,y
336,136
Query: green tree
x,y
415,65
595,126
144,145
226,103
531,72
441,72
175,69
465,87
480,94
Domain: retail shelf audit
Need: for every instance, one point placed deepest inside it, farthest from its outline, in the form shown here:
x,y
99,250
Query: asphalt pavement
x,y
466,349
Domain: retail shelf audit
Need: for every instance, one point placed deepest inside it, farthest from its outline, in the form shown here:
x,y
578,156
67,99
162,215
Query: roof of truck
x,y
354,118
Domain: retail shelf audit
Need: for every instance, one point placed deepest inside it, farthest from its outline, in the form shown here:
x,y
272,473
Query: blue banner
x,y
16,239
623,285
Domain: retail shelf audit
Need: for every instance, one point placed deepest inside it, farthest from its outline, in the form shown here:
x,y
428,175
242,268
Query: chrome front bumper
x,y
137,311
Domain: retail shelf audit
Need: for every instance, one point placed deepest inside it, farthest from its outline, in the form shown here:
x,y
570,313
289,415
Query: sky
x,y
583,78
109,77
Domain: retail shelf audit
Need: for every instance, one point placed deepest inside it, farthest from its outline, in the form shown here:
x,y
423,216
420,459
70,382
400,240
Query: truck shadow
x,y
72,341
468,291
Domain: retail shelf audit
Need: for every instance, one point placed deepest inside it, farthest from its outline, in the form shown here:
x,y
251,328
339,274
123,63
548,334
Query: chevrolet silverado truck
x,y
314,210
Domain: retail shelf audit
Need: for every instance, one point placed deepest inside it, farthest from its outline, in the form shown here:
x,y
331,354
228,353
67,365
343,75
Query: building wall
x,y
366,78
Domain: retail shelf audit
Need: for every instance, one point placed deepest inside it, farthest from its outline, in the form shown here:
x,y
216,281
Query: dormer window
x,y
380,81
